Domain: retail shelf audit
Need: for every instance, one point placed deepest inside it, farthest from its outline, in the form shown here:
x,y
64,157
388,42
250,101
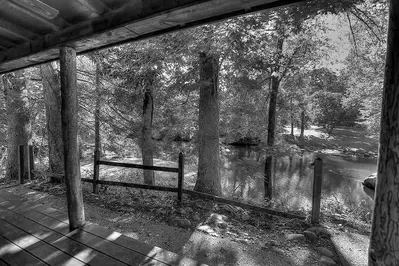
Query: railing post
x,y
21,162
96,171
317,181
180,176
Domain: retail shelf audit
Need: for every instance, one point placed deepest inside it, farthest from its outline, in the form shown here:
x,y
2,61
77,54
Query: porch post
x,y
69,116
384,240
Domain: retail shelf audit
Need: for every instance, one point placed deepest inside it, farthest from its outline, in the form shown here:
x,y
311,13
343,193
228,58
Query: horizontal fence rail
x,y
140,166
242,205
132,185
96,176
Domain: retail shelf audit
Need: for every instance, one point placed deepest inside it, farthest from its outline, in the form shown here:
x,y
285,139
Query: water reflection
x,y
242,172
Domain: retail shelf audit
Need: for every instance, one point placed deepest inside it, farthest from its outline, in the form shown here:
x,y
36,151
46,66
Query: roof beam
x,y
17,30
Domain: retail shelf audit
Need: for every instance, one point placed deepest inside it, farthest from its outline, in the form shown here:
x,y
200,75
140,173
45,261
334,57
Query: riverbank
x,y
343,141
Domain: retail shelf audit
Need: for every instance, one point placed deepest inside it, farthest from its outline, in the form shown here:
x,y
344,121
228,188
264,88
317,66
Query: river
x,y
242,178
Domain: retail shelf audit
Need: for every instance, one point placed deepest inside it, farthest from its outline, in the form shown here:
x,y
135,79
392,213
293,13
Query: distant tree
x,y
329,111
331,106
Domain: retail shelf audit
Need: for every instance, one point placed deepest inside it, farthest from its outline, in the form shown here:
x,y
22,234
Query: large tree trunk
x,y
19,131
147,145
208,178
270,137
384,242
52,101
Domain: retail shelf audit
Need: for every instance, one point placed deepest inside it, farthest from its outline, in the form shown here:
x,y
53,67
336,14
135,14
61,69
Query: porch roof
x,y
31,31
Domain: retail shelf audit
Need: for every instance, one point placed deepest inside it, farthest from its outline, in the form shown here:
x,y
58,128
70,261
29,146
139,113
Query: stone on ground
x,y
326,252
180,222
292,237
310,235
319,230
327,261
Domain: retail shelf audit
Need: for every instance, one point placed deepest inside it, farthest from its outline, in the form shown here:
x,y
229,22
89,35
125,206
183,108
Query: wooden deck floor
x,y
36,234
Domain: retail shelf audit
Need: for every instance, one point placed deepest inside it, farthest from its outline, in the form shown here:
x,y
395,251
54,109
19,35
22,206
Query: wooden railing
x,y
179,170
316,195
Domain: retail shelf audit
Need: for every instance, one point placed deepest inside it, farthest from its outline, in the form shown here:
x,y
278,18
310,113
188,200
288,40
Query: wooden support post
x,y
317,181
21,162
96,171
31,161
69,115
180,177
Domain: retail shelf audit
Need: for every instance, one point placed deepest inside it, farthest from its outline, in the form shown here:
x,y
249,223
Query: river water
x,y
242,178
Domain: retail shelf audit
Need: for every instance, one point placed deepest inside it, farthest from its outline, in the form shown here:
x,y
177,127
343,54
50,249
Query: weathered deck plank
x,y
14,255
90,245
99,244
71,247
35,246
59,221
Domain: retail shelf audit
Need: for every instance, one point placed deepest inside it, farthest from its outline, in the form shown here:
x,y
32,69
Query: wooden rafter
x,y
37,7
17,30
6,43
96,6
54,24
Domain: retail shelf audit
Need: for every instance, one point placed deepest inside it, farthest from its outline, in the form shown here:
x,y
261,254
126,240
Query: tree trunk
x,y
208,178
384,240
19,131
147,145
292,119
97,111
270,136
52,101
301,137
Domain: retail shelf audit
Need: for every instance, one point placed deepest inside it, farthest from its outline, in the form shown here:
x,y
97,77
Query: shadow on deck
x,y
36,234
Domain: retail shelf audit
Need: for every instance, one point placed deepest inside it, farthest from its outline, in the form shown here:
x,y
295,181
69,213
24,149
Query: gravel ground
x,y
220,250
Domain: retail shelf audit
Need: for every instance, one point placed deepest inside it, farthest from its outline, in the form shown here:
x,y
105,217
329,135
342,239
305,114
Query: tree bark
x,y
19,131
384,242
52,101
69,115
208,178
292,118
97,111
270,136
147,145
301,137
